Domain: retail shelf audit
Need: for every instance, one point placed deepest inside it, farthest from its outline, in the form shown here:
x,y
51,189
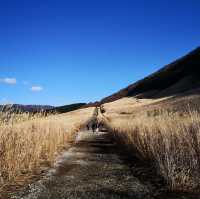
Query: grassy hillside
x,y
158,119
163,131
179,76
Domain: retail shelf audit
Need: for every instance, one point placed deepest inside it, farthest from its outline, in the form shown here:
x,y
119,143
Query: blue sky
x,y
64,51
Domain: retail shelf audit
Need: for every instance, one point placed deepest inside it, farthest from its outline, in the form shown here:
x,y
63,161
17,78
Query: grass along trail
x,y
96,168
92,168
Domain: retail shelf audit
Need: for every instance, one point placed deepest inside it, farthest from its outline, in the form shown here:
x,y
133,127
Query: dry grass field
x,y
168,138
28,143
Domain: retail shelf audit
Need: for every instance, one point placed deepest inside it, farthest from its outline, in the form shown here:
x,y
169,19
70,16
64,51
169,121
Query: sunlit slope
x,y
163,131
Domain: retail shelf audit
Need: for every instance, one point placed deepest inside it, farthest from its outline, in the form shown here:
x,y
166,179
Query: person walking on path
x,y
93,124
94,127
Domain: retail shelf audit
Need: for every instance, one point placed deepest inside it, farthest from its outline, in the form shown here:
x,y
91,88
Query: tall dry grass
x,y
170,140
10,117
26,145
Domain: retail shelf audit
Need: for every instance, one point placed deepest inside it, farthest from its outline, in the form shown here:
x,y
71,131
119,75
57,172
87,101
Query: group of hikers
x,y
94,125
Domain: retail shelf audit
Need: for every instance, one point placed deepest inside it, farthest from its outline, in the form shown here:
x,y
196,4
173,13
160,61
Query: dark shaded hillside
x,y
67,108
177,77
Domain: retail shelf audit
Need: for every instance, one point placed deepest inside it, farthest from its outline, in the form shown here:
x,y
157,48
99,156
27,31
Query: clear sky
x,y
64,51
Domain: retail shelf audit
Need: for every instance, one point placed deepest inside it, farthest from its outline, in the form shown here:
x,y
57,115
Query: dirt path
x,y
90,169
97,168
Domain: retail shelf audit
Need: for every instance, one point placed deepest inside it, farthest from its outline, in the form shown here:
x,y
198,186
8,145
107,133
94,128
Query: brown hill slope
x,y
177,77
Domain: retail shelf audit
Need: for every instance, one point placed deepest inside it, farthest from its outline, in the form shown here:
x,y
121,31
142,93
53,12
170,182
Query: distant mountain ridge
x,y
177,77
25,108
18,108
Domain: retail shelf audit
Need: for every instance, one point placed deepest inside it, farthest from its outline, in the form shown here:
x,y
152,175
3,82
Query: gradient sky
x,y
64,51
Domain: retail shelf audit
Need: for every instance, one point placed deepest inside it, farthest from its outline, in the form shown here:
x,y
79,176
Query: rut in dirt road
x,y
90,169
